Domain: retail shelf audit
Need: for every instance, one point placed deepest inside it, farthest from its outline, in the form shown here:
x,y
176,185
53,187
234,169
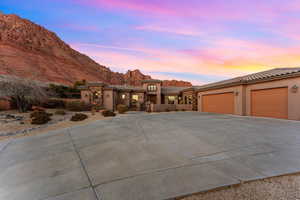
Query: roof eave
x,y
272,78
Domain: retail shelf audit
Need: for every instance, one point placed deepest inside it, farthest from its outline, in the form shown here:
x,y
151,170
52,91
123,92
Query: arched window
x,y
151,88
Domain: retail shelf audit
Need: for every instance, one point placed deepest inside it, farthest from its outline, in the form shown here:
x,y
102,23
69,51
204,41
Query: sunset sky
x,y
195,40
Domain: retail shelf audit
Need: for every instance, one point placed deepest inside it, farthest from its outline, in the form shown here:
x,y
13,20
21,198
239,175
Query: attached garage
x,y
270,103
274,93
218,103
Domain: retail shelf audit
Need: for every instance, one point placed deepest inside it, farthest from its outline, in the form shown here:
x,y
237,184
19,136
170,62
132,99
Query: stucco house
x,y
273,93
152,92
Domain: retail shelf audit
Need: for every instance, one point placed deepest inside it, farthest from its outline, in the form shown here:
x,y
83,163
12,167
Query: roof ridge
x,y
286,68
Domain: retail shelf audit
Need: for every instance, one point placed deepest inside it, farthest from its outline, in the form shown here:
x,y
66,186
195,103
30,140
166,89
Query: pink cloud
x,y
255,10
227,57
170,29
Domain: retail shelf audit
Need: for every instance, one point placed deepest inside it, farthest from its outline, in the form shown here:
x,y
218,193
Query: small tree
x,y
22,91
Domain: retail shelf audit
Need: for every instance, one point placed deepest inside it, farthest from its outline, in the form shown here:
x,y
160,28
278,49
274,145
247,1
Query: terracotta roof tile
x,y
277,72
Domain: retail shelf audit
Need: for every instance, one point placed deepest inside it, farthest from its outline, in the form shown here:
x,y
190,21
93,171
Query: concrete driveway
x,y
145,156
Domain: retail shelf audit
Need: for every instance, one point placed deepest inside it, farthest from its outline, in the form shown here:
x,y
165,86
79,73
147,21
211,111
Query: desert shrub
x,y
108,113
40,117
60,112
53,103
78,106
122,108
62,91
38,113
78,117
22,92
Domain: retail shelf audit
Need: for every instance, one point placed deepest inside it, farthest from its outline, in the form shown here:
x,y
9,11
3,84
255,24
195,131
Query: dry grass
x,y
276,188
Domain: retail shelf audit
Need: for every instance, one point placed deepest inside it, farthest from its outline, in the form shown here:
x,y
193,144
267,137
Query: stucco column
x,y
158,99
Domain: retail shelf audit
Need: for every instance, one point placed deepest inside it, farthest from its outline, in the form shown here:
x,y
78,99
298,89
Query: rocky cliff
x,y
31,51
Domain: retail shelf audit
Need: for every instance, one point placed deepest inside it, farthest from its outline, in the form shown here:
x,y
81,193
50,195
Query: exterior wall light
x,y
294,89
236,93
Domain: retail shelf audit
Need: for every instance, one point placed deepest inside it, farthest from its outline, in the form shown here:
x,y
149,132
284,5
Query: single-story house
x,y
273,93
152,92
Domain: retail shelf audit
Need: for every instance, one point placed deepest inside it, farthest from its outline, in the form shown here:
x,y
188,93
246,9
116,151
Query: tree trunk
x,y
22,104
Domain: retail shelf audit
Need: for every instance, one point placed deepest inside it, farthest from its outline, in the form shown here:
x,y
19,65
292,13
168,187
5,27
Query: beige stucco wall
x,y
239,98
85,96
108,99
157,93
293,98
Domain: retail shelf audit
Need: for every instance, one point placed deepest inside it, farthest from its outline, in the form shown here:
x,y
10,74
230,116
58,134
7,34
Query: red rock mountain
x,y
30,51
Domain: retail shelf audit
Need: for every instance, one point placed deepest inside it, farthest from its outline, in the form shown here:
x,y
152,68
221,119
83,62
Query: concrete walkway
x,y
145,156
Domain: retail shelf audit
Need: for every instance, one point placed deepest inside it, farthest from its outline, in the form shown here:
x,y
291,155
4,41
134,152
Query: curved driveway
x,y
141,156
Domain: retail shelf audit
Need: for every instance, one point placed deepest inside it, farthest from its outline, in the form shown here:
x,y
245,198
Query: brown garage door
x,y
218,103
270,103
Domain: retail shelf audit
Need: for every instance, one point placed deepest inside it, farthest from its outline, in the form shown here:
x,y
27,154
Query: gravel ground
x,y
276,188
57,122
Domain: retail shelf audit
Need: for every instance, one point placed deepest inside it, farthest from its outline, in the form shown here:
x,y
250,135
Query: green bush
x,y
78,117
122,108
97,108
108,113
62,91
40,117
78,106
60,112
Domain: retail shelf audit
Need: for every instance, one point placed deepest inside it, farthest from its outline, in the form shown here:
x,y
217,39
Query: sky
x,y
199,41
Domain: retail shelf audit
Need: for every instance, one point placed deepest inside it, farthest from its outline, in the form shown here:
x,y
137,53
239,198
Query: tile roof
x,y
151,81
126,87
260,76
271,73
172,90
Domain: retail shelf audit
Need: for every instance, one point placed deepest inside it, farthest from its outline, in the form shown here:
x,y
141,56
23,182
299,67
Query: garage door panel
x,y
270,103
218,103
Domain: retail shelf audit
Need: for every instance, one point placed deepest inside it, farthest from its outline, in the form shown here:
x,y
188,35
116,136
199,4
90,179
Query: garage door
x,y
218,103
270,103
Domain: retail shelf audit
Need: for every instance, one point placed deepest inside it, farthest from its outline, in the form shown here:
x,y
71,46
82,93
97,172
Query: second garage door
x,y
270,103
218,103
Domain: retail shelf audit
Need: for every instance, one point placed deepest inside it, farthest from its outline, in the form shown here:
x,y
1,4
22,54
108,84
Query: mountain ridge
x,y
29,50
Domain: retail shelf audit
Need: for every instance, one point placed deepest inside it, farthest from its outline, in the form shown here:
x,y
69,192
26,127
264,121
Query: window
x,y
190,100
171,99
135,97
152,88
96,94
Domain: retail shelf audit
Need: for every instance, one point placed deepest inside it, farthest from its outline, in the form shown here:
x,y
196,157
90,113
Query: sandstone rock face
x,y
31,51
176,83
